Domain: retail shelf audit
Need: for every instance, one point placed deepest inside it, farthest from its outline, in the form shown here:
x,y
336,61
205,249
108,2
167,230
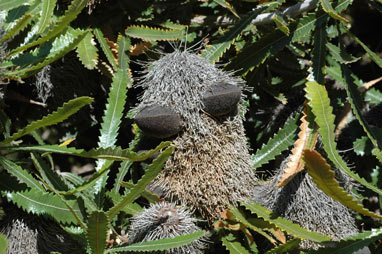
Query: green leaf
x,y
150,174
240,218
21,174
62,23
47,9
340,55
124,44
151,197
227,5
62,113
109,153
154,34
319,53
51,52
320,104
233,245
215,51
20,24
283,224
169,24
373,96
356,104
3,244
283,139
373,56
285,247
160,245
89,183
110,123
325,179
330,10
362,146
48,174
6,5
87,52
105,48
37,202
353,243
97,231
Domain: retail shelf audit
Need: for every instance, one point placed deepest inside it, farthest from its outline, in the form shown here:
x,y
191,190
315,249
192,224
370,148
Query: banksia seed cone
x,y
211,165
165,220
28,234
301,201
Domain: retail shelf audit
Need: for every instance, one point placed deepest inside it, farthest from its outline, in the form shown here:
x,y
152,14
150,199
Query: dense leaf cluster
x,y
313,94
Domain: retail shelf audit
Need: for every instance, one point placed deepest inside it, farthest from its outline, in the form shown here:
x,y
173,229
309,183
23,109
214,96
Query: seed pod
x,y
221,99
165,220
158,121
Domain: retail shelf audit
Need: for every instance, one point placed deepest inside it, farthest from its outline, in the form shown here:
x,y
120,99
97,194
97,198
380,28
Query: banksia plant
x,y
166,220
200,106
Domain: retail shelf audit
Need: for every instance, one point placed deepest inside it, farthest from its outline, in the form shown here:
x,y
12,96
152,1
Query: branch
x,y
291,11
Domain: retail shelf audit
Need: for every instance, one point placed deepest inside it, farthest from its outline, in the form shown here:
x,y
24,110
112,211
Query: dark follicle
x,y
158,121
221,99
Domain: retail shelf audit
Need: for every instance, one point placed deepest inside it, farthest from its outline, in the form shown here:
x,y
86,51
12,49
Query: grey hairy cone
x,y
28,234
165,220
301,201
211,165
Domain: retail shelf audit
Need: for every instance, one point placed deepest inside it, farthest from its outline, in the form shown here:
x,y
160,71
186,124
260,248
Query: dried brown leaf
x,y
140,48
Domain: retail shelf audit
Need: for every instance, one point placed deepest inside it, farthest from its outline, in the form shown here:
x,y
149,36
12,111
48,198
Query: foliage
x,y
312,78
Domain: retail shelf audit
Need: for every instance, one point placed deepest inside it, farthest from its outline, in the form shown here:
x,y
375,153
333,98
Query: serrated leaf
x,y
285,247
153,170
227,5
320,104
3,244
215,51
97,231
319,53
362,146
46,14
286,225
51,52
238,216
325,179
131,208
154,34
151,197
356,103
87,52
328,8
21,174
373,56
62,113
340,55
62,23
373,96
233,245
110,122
169,24
105,48
109,153
49,175
160,245
278,143
89,183
296,164
272,43
124,45
20,24
37,202
6,5
353,243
